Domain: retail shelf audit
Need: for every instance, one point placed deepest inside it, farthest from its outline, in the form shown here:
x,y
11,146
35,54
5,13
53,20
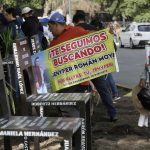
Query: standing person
x,y
143,109
117,28
12,30
31,26
62,33
100,83
13,23
110,78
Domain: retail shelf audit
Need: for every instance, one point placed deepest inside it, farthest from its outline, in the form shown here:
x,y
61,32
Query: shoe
x,y
113,119
116,98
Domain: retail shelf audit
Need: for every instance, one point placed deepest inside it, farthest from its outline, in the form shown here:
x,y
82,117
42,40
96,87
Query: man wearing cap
x,y
100,83
62,33
31,26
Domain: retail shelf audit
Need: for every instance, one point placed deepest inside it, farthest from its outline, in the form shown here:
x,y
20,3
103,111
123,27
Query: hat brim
x,y
44,20
137,104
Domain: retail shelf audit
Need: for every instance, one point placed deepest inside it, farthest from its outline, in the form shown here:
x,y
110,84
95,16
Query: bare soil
x,y
123,134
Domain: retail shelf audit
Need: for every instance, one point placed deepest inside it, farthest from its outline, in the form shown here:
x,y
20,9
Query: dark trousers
x,y
112,85
102,87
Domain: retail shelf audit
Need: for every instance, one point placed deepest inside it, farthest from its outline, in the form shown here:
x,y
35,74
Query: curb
x,y
123,86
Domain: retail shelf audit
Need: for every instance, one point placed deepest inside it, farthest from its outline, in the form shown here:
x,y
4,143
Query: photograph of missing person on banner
x,y
41,76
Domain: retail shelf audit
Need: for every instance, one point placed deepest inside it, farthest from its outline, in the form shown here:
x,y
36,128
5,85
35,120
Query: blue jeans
x,y
102,87
112,85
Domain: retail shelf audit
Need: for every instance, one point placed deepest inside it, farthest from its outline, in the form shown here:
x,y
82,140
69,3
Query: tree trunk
x,y
47,7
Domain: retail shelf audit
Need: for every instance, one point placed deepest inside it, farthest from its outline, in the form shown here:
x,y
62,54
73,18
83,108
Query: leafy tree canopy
x,y
137,9
35,4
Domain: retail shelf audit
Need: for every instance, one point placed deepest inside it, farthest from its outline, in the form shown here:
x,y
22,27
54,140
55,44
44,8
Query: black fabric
x,y
15,26
87,26
44,43
31,26
144,97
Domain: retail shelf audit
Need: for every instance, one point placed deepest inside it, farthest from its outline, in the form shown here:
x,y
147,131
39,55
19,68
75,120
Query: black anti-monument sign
x,y
38,126
58,99
81,100
42,127
4,102
22,56
1,70
35,44
22,53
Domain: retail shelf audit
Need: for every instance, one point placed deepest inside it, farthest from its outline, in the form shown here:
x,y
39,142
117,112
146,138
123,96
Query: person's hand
x,y
142,83
37,85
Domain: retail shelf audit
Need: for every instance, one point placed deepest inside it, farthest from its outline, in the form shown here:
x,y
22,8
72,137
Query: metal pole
x,y
68,13
69,8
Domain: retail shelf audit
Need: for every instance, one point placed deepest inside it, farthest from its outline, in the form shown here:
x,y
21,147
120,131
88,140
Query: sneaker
x,y
116,98
113,119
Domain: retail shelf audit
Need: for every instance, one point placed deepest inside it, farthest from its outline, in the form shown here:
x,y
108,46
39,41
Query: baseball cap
x,y
44,20
26,10
56,17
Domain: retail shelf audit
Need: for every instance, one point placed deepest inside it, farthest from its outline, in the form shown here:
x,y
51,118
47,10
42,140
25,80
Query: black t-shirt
x,y
31,26
87,26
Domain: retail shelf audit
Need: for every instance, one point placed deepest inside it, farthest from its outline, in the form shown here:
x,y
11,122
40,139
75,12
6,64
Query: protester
x,y
117,28
62,33
110,78
13,22
100,83
32,26
11,31
144,113
79,19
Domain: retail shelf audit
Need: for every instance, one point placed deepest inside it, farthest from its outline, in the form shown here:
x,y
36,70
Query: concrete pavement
x,y
131,64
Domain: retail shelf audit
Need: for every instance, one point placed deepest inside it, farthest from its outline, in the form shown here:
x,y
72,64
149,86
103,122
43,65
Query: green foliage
x,y
137,9
143,17
9,90
35,4
7,39
11,3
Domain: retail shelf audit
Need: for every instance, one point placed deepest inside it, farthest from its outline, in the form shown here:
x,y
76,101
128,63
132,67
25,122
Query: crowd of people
x,y
28,25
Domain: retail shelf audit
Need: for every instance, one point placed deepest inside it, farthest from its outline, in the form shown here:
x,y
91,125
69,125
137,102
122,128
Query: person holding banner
x,y
62,33
100,83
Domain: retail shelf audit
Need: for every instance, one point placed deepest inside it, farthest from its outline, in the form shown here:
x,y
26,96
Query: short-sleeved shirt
x,y
69,33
